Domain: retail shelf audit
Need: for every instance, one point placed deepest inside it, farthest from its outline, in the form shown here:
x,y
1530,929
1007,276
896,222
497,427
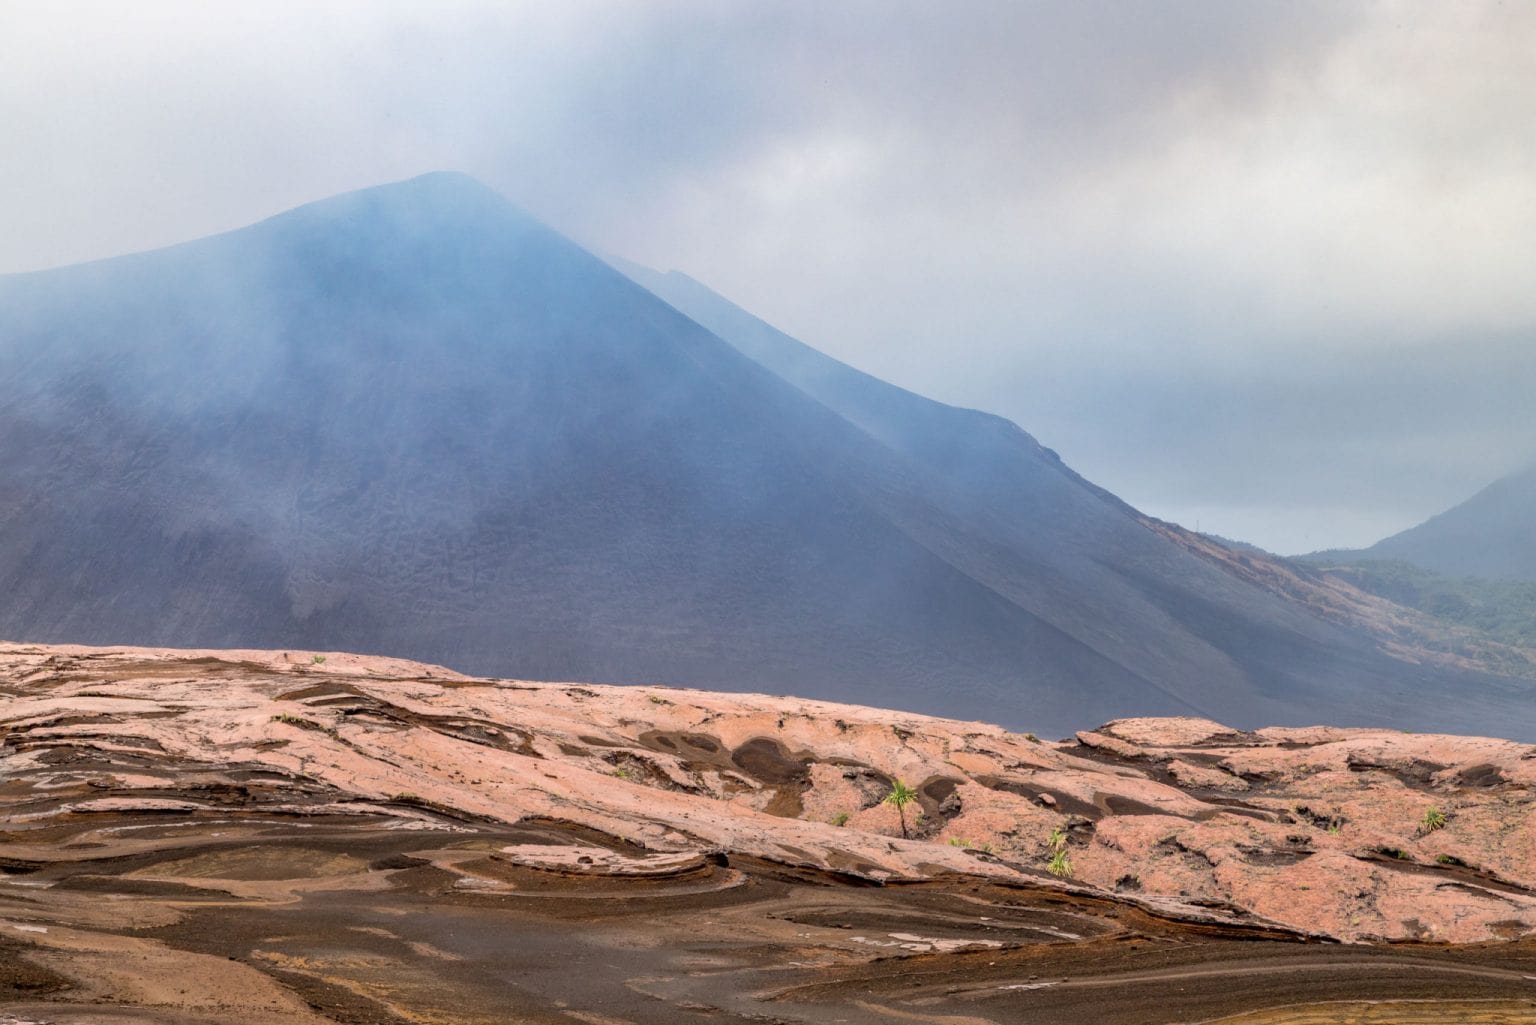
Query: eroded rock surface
x,y
1348,834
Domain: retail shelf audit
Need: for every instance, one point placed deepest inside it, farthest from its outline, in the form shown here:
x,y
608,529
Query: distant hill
x,y
413,421
1492,534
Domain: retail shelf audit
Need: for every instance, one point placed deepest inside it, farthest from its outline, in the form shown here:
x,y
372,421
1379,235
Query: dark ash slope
x,y
413,421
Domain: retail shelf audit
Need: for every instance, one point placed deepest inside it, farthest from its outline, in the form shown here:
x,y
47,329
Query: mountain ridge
x,y
415,421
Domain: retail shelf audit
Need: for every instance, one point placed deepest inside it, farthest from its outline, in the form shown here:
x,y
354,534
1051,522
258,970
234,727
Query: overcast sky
x,y
1268,268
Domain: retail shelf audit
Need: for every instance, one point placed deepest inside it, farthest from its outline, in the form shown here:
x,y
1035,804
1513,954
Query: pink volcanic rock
x,y
1190,775
1175,731
1014,826
1326,831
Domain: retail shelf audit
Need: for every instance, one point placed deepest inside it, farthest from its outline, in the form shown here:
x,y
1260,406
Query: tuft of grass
x,y
407,797
297,720
1060,865
318,660
1433,819
840,819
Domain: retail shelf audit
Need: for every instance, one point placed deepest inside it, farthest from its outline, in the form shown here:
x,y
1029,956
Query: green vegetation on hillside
x,y
1503,609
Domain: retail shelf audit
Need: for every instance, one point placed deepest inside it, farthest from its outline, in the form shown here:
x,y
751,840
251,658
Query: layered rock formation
x,y
1355,835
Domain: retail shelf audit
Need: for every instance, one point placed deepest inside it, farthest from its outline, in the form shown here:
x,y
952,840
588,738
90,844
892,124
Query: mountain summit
x,y
1491,534
412,420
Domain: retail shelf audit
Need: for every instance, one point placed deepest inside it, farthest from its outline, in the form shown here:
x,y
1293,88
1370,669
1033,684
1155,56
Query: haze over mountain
x,y
413,421
1491,534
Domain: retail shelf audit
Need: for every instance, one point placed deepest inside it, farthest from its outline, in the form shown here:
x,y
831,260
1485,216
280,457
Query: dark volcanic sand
x,y
365,924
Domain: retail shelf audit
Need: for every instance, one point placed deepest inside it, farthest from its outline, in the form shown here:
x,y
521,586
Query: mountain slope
x,y
1200,609
1504,610
413,421
1491,534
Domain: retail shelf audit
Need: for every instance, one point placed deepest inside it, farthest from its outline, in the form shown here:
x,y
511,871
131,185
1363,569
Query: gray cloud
x,y
1263,265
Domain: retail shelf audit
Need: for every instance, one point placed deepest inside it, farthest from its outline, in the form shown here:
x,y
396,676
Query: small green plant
x,y
623,773
900,796
840,819
317,659
969,845
1031,738
408,797
1060,864
657,699
1433,819
1334,827
296,720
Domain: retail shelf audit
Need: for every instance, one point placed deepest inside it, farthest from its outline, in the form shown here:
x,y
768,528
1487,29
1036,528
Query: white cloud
x,y
1133,228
